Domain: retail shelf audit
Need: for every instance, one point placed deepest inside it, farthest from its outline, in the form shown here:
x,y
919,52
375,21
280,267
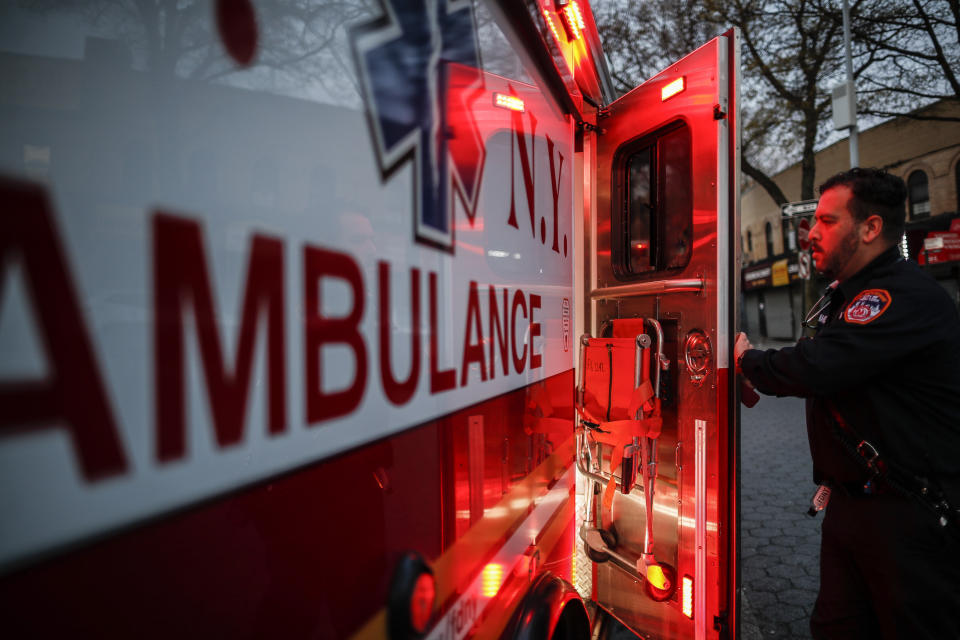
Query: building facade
x,y
923,149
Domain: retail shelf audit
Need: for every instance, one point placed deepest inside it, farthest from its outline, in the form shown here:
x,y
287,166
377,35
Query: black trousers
x,y
887,570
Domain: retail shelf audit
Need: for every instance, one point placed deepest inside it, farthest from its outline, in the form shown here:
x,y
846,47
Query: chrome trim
x,y
700,530
725,285
651,288
659,355
629,565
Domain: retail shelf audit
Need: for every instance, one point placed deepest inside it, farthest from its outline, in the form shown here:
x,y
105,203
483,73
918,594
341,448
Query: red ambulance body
x,y
363,319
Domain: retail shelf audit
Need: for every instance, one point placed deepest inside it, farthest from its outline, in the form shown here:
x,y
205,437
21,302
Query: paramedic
x,y
881,378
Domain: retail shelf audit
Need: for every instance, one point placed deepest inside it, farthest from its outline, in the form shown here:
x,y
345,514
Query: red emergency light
x,y
413,592
573,19
507,101
421,601
671,89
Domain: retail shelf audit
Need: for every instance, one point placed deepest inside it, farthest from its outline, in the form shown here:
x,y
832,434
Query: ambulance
x,y
363,319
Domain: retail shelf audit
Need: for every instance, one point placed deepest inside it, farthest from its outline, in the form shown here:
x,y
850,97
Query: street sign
x,y
802,208
803,262
803,233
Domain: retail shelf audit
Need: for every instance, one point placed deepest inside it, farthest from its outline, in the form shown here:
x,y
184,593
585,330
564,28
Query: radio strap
x,y
900,480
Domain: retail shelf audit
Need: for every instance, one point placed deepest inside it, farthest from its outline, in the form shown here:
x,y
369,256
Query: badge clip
x,y
819,500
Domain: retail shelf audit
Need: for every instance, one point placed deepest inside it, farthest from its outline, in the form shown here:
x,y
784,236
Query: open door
x,y
664,264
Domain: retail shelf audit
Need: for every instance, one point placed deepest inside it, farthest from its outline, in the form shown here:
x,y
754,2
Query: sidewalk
x,y
780,544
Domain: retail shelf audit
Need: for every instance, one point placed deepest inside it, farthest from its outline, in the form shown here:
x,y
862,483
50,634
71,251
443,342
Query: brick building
x,y
925,153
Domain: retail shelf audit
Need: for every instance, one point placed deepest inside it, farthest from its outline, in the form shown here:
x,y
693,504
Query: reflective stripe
x,y
468,608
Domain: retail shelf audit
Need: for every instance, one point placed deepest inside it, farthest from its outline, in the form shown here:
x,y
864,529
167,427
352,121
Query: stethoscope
x,y
811,321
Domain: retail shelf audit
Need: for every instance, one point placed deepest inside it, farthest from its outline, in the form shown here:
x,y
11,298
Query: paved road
x,y
780,544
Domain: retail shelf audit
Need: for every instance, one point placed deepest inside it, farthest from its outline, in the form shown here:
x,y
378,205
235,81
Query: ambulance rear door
x,y
663,245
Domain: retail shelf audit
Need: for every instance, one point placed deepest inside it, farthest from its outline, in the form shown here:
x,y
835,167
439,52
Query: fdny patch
x,y
867,306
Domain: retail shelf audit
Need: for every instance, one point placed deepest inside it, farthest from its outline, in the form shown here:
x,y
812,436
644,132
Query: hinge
x,y
718,113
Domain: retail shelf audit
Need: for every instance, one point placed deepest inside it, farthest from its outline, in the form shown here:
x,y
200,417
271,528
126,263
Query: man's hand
x,y
741,345
748,395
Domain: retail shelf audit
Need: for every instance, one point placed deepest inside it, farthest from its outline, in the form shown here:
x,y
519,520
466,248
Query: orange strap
x,y
640,398
621,433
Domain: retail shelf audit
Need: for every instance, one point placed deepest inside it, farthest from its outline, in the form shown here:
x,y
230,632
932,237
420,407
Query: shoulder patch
x,y
867,306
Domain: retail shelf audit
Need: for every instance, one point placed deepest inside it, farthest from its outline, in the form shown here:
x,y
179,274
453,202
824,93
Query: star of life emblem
x,y
418,66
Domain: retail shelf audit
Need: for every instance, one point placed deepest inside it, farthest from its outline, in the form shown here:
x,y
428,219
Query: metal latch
x,y
698,353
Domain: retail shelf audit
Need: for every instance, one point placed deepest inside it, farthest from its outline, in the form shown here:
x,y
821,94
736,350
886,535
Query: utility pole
x,y
851,89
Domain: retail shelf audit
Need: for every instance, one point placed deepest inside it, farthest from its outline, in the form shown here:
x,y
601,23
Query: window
x,y
653,226
768,233
918,191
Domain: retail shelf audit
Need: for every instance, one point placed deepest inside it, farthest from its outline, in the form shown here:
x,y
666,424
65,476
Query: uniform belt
x,y
896,479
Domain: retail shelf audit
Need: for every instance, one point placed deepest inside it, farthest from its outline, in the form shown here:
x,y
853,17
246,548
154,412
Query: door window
x,y
653,224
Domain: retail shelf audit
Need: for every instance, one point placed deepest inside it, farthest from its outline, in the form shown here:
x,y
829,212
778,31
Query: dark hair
x,y
874,192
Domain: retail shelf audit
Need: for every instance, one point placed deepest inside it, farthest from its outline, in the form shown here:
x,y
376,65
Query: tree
x,y
905,54
642,37
297,40
919,46
795,47
790,47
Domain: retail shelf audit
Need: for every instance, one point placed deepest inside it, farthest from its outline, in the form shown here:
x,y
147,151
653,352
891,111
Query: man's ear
x,y
871,229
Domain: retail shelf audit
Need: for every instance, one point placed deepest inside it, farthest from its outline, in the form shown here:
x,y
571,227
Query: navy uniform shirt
x,y
887,354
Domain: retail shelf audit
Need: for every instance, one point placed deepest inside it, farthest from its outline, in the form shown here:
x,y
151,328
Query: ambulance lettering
x,y
867,306
73,397
459,620
528,169
180,280
462,617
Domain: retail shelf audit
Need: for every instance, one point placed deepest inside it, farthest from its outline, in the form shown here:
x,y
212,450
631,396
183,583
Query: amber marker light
x,y
656,578
505,101
672,89
492,579
573,564
552,25
687,596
